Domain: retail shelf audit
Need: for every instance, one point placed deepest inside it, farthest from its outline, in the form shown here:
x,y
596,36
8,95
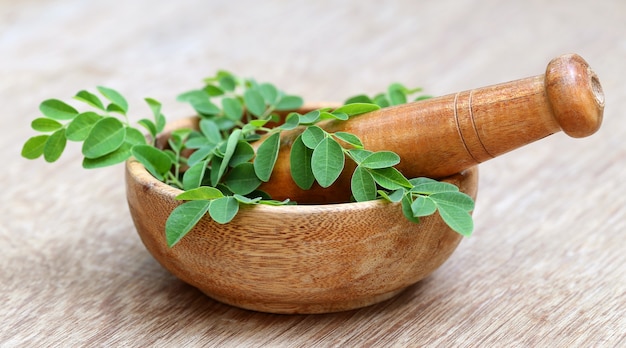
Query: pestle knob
x,y
442,136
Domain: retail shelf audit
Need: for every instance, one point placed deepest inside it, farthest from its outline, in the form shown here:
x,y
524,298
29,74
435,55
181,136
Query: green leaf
x,y
390,178
361,98
312,136
269,93
90,98
397,94
457,199
246,200
204,106
266,156
254,102
407,210
423,206
211,130
200,193
183,218
275,202
44,124
224,209
289,102
78,129
194,175
341,116
291,121
114,97
57,110
382,101
429,186
327,162
106,136
159,119
112,158
149,126
33,148
157,162
242,179
200,154
363,185
243,153
233,109
231,146
54,146
134,136
395,196
356,108
349,138
381,159
213,90
457,219
227,83
359,154
300,164
310,117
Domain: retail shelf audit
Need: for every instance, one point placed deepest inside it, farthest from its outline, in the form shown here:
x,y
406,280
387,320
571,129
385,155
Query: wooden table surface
x,y
546,266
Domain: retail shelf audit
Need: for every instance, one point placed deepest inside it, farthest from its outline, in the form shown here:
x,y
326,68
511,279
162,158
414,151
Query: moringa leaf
x,y
390,178
106,136
423,206
289,102
291,121
118,156
269,93
254,102
78,129
157,162
363,185
90,99
300,164
45,124
211,131
233,109
54,146
231,146
327,162
33,148
310,117
192,178
266,156
356,108
200,193
183,218
312,136
242,179
224,209
57,110
243,153
114,97
380,159
456,199
457,219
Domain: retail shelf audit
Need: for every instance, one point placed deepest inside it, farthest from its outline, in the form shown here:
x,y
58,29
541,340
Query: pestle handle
x,y
442,136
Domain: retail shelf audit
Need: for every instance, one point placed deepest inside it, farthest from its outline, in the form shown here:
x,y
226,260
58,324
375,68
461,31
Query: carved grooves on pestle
x,y
466,127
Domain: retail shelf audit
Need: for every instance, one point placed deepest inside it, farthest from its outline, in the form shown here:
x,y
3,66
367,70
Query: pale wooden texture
x,y
545,267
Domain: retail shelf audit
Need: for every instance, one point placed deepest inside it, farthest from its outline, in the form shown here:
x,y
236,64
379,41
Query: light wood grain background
x,y
546,266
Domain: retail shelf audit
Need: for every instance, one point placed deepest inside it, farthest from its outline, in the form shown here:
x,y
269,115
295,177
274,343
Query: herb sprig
x,y
217,166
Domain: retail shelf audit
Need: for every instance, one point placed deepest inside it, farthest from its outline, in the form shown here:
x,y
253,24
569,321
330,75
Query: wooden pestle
x,y
442,136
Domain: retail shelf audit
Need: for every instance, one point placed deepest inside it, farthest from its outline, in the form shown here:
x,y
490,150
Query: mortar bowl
x,y
296,258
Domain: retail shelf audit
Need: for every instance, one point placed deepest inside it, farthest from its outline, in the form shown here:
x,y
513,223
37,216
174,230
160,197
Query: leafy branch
x,y
217,166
